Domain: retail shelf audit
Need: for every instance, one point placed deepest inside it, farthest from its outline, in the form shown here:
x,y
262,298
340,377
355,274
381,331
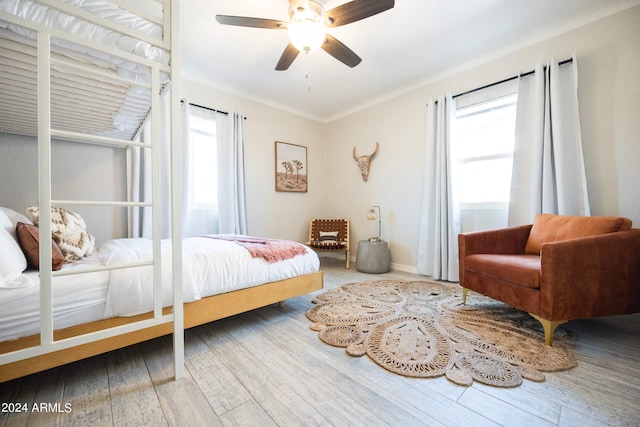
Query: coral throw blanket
x,y
271,250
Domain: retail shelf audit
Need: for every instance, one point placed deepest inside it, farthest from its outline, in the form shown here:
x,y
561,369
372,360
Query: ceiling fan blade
x,y
243,21
355,11
340,51
290,53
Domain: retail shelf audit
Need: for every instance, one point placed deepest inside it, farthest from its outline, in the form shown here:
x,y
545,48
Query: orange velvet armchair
x,y
558,269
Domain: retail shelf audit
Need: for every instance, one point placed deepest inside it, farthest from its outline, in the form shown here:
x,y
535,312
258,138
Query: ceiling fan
x,y
307,27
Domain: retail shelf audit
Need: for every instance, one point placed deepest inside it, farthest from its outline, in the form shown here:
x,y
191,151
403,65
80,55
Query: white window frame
x,y
489,213
198,113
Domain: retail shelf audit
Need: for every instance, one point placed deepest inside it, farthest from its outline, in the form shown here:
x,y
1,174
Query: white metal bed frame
x,y
169,42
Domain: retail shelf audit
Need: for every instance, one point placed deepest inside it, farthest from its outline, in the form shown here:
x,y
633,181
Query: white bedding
x,y
76,299
210,267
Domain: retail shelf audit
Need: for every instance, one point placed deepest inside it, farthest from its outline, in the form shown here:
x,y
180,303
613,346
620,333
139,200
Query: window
x,y
484,147
482,143
203,159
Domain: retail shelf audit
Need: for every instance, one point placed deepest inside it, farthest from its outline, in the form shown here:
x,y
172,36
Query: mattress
x,y
210,267
53,18
108,108
76,299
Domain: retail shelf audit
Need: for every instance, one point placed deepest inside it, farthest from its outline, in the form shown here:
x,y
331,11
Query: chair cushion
x,y
520,269
331,244
554,228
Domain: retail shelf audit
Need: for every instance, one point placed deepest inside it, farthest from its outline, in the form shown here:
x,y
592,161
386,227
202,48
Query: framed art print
x,y
291,167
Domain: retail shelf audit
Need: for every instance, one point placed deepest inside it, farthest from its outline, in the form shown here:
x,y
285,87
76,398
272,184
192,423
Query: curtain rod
x,y
226,113
528,73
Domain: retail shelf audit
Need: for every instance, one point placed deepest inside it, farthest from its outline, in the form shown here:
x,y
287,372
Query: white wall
x,y
608,56
79,172
273,214
97,173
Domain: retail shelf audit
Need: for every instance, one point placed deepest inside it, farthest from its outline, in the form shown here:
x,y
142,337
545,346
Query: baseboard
x,y
394,266
404,268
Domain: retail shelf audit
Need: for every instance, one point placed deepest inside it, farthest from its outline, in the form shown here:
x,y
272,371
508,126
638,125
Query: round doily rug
x,y
421,329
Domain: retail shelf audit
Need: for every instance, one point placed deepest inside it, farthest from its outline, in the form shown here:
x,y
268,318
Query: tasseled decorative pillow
x,y
69,231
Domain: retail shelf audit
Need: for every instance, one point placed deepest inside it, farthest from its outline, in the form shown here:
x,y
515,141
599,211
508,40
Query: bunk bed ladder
x,y
45,133
176,183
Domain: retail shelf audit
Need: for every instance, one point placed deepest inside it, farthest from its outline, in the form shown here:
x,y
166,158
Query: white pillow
x,y
12,261
9,219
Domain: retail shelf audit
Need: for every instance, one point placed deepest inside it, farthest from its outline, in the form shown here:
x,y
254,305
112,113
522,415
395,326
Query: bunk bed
x,y
93,72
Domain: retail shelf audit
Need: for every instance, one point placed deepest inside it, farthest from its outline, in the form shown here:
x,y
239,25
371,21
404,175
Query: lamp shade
x,y
372,215
306,33
306,29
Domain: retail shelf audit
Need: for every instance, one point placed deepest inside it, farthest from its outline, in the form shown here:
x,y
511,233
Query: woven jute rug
x,y
421,329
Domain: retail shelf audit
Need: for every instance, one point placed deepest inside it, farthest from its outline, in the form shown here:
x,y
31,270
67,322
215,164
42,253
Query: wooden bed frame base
x,y
195,313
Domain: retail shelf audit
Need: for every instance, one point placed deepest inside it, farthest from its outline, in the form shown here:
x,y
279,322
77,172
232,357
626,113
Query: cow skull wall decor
x,y
364,162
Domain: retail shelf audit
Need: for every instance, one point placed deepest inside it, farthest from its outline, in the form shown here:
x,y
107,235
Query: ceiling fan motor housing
x,y
306,29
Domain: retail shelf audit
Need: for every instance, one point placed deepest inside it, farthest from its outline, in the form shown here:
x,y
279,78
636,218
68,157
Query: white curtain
x,y
140,178
548,166
228,216
196,220
231,176
440,216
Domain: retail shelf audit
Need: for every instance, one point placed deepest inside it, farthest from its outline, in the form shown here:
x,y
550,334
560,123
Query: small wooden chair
x,y
329,235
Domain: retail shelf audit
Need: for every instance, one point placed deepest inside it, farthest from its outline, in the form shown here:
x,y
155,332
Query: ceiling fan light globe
x,y
306,34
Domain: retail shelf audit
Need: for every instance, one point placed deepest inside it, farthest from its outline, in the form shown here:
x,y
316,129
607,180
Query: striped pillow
x,y
327,238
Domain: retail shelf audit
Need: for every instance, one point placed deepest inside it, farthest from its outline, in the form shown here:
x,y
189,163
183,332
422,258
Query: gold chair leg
x,y
347,259
464,296
549,327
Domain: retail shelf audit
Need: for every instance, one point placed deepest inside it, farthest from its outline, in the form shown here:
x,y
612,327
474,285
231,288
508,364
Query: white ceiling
x,y
415,42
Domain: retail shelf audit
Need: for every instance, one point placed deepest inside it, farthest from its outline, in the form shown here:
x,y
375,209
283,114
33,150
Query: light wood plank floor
x,y
267,368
